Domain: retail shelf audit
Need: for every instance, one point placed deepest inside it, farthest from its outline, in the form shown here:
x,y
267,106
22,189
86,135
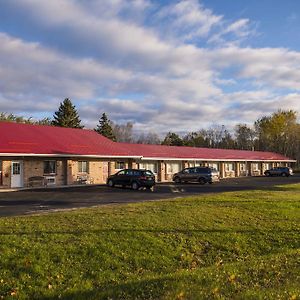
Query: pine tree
x,y
67,115
105,127
172,139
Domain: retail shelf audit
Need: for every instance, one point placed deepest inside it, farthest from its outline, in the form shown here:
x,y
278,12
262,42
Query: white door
x,y
16,174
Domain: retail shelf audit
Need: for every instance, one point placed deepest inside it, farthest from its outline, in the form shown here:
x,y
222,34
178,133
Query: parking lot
x,y
52,199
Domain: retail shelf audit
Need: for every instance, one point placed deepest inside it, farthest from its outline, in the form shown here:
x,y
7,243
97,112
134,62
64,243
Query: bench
x,y
84,179
36,181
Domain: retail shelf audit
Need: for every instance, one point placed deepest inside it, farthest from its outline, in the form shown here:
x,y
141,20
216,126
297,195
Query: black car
x,y
135,178
279,171
198,174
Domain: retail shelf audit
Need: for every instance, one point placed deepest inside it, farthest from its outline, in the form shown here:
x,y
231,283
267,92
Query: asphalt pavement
x,y
53,199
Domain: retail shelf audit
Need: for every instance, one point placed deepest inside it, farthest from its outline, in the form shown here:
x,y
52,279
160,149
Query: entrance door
x,y
16,174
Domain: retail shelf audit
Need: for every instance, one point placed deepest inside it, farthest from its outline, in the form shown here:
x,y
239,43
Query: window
x,y
16,168
229,167
255,167
83,167
120,165
243,167
121,173
186,171
132,172
49,167
173,168
149,166
214,166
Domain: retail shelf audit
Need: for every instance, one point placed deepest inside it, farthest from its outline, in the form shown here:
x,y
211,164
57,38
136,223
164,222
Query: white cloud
x,y
187,20
274,67
106,59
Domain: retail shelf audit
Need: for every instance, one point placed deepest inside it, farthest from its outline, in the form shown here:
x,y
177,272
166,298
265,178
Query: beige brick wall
x,y
6,173
98,171
35,167
111,168
32,168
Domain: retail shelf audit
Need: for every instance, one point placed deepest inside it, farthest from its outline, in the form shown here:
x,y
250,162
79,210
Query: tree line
x,y
278,132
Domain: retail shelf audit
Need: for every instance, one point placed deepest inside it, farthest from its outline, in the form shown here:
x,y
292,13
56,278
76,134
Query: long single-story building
x,y
36,155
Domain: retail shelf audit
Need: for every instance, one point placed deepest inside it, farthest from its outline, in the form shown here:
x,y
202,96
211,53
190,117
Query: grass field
x,y
238,245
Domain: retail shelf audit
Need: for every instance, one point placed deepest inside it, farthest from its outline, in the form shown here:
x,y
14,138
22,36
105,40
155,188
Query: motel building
x,y
35,155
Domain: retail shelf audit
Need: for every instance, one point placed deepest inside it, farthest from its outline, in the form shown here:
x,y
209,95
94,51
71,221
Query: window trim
x,y
120,162
55,167
80,170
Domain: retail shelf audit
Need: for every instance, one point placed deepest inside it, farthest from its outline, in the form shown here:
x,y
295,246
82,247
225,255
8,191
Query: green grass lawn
x,y
241,245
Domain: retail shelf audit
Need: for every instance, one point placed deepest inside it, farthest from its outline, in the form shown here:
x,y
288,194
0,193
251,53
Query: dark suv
x,y
198,174
132,177
279,171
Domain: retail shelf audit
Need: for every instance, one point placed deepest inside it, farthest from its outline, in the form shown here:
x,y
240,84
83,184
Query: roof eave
x,y
217,159
67,155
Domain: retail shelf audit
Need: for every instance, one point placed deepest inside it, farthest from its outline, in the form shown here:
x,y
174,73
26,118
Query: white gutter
x,y
210,159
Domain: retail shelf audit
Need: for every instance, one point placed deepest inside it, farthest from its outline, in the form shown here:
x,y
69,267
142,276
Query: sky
x,y
164,65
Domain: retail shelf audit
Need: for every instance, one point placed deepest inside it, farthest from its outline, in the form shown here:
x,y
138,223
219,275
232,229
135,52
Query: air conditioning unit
x,y
50,180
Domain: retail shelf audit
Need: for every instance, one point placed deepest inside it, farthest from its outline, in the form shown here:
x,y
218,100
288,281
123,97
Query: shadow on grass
x,y
140,289
155,231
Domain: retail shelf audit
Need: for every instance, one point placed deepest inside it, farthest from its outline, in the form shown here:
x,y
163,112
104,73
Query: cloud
x,y
275,67
107,56
188,19
30,69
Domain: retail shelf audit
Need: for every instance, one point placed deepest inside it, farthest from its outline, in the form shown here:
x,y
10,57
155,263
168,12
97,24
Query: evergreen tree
x,y
67,115
172,139
105,127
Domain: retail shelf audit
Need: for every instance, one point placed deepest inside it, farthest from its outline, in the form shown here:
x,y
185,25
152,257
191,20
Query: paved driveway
x,y
42,200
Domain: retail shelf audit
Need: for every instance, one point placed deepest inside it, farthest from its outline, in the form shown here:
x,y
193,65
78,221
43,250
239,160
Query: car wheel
x,y
268,174
201,181
135,186
177,180
284,174
110,183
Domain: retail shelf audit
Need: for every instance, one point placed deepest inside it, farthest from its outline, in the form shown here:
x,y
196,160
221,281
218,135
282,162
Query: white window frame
x,y
243,167
81,168
170,167
152,166
118,164
214,165
228,169
55,167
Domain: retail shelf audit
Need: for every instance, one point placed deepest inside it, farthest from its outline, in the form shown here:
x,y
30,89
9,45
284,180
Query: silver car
x,y
279,171
197,174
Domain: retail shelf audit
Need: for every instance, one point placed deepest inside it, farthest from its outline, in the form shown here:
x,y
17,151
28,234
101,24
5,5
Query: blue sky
x,y
163,65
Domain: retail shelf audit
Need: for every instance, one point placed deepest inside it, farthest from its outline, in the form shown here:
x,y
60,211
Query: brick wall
x,y
6,173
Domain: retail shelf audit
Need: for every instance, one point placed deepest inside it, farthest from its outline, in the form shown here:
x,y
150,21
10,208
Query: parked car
x,y
135,178
279,171
197,174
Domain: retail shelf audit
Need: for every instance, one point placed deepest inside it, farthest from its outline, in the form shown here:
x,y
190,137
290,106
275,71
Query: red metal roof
x,y
16,138
173,152
37,139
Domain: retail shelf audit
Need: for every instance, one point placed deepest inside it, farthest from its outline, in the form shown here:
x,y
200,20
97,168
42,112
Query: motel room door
x,y
16,174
